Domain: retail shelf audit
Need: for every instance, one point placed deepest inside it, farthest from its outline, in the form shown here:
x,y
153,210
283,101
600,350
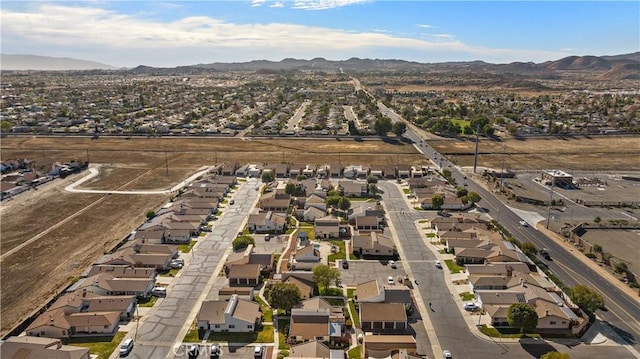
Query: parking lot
x,y
365,270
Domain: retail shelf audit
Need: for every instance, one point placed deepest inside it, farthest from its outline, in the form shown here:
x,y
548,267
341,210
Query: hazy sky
x,y
172,33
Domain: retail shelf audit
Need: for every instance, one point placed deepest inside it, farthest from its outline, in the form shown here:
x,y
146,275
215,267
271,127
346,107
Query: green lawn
x,y
186,248
467,296
354,353
350,292
453,266
508,333
102,349
170,273
147,302
342,252
461,123
263,336
406,190
431,235
423,221
282,341
354,314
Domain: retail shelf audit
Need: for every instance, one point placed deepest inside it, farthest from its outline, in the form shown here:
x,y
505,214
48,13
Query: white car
x,y
446,354
392,264
438,264
159,291
471,306
390,280
524,223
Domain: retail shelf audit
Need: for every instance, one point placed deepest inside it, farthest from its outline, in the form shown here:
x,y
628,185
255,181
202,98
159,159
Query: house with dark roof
x,y
236,315
309,324
327,227
244,275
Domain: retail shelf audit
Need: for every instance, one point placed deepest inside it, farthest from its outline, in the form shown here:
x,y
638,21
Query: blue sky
x,y
173,33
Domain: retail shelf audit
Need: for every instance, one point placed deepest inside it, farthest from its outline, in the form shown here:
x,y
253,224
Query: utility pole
x,y
87,155
553,182
504,154
475,157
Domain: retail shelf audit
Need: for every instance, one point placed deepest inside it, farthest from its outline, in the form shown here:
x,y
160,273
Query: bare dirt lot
x,y
579,153
621,243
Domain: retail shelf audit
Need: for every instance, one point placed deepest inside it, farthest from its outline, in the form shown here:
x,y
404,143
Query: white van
x,y
257,351
126,347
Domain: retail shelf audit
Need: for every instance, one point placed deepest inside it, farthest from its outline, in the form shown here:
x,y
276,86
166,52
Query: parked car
x,y
392,264
258,352
524,223
446,354
231,202
267,237
390,280
345,264
159,291
126,347
471,306
438,264
205,229
175,264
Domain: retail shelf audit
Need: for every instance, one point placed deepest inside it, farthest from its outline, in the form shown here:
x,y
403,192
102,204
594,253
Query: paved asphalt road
x,y
623,314
157,335
446,318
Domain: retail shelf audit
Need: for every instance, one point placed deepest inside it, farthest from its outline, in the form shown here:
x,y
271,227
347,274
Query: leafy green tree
x,y
267,177
151,214
382,126
324,276
597,220
461,191
528,248
621,267
473,197
344,203
5,125
597,248
555,355
242,242
399,128
467,130
437,201
372,179
446,173
373,189
284,296
586,298
522,316
332,201
301,177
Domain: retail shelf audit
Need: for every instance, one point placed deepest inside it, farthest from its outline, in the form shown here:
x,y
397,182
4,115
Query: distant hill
x,y
47,63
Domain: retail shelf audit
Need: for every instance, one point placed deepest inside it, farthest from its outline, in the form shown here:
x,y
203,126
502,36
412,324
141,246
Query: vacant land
x,y
621,243
573,153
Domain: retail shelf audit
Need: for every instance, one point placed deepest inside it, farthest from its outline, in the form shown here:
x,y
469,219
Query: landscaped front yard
x,y
102,349
453,266
186,248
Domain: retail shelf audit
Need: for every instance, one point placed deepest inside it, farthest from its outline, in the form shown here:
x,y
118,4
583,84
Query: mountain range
x,y
616,67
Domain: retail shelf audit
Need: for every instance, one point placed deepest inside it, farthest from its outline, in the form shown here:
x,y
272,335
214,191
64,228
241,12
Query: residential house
x,y
310,214
336,170
362,211
225,293
267,222
104,284
236,315
305,286
264,260
369,292
244,275
275,201
309,324
383,346
367,223
305,258
57,324
376,171
310,350
373,244
383,317
353,189
29,347
403,171
327,227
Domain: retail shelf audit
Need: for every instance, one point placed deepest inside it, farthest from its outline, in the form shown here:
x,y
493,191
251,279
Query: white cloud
x,y
127,40
424,26
256,3
567,49
277,4
324,4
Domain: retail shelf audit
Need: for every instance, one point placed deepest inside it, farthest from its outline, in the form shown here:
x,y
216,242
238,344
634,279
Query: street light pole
x,y
553,182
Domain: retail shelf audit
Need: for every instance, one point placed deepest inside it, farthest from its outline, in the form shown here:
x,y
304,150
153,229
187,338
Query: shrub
x,y
242,242
590,255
